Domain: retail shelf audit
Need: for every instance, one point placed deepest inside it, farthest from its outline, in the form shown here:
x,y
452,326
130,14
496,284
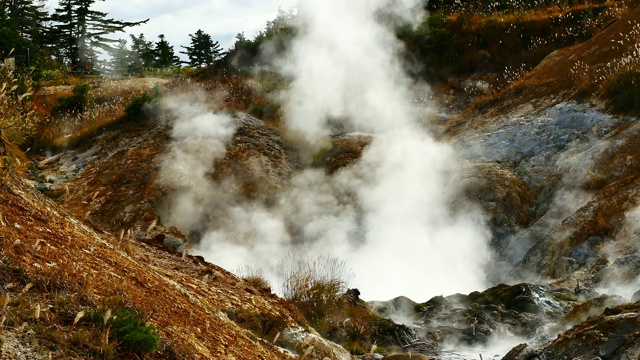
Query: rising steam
x,y
395,216
199,139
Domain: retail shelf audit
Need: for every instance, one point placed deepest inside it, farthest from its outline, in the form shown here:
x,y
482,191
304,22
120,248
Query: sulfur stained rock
x,y
257,159
345,150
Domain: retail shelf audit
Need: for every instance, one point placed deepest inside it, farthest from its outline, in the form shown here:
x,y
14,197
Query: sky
x,y
176,19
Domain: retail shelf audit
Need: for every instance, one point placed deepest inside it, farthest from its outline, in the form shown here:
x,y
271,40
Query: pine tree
x,y
123,60
142,50
79,31
164,54
203,51
21,26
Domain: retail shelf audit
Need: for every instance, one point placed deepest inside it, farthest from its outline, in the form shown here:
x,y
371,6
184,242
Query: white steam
x,y
346,69
395,216
621,277
199,139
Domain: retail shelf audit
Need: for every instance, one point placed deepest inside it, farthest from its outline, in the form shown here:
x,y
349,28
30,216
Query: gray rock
x,y
582,253
612,346
636,296
174,244
594,240
627,261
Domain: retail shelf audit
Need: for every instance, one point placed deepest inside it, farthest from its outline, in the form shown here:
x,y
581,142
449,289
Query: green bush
x,y
136,107
133,333
76,102
623,92
50,75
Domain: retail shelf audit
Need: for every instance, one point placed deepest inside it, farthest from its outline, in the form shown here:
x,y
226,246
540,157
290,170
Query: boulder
x,y
174,244
520,352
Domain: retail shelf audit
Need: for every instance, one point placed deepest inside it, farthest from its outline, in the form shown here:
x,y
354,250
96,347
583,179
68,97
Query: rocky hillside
x,y
89,261
564,206
571,159
58,272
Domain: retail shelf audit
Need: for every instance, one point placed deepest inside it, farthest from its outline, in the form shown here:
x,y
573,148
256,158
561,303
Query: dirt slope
x,y
561,76
186,299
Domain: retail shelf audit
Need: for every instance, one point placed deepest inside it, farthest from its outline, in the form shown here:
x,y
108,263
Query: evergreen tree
x,y
242,53
123,60
165,56
203,51
21,26
79,31
142,50
279,33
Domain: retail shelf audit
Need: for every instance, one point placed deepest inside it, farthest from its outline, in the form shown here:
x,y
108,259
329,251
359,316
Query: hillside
x,y
123,210
55,267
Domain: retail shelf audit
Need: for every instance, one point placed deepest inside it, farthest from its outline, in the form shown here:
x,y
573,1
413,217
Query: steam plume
x,y
395,216
199,138
345,66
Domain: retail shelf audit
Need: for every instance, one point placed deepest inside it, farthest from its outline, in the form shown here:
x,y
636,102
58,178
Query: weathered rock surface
x,y
571,165
612,335
522,311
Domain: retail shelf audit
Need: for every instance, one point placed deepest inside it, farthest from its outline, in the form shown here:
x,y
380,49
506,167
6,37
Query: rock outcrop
x,y
612,335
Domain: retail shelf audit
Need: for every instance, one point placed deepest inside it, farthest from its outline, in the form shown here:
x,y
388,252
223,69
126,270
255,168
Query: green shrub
x,y
76,102
51,75
136,109
133,333
623,92
127,329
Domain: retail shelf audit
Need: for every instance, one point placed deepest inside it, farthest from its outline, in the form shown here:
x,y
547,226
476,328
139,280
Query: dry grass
x,y
579,72
92,272
52,312
104,106
18,119
254,276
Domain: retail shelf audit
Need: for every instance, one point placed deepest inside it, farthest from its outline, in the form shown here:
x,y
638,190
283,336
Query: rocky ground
x,y
557,177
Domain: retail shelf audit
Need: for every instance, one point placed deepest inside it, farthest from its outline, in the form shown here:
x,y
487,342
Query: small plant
x,y
623,92
76,102
315,286
51,75
139,105
254,276
18,119
132,332
265,325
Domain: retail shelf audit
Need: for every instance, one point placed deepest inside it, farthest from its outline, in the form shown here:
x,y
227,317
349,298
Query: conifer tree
x,y
165,56
21,26
142,50
123,60
78,31
203,50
